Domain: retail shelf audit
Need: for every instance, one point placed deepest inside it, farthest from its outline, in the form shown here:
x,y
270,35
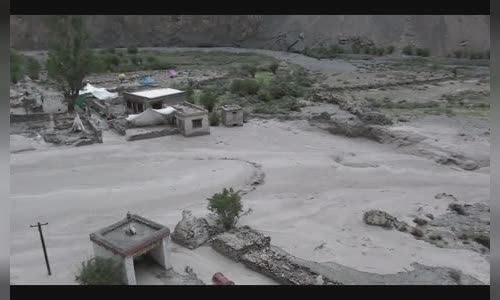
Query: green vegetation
x,y
208,99
273,67
249,69
228,207
407,50
214,119
70,58
390,49
21,65
100,271
16,66
422,52
33,68
132,50
244,87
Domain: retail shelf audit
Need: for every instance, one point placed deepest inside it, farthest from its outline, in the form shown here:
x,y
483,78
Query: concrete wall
x,y
161,254
230,118
169,100
186,125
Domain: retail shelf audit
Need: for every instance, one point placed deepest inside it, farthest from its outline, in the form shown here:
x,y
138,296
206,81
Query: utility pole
x,y
43,244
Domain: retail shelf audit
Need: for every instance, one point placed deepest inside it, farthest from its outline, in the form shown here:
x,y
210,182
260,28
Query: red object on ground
x,y
220,279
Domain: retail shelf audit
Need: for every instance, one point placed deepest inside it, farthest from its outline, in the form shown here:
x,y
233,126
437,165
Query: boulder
x,y
382,219
191,232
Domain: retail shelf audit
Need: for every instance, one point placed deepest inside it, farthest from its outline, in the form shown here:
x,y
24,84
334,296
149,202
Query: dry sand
x,y
307,198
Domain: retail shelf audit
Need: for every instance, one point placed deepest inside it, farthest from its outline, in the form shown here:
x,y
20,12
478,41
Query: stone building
x,y
191,119
232,115
131,238
138,102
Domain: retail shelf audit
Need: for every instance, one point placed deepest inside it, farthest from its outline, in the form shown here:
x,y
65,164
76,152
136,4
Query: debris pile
x,y
254,250
191,232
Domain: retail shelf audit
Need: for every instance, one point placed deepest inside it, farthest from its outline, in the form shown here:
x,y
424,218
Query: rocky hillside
x,y
440,34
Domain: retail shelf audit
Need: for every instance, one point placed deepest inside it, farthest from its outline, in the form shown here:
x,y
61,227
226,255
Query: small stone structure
x,y
130,238
191,119
137,102
232,115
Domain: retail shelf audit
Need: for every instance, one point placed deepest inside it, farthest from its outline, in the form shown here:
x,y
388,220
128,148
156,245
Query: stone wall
x,y
253,249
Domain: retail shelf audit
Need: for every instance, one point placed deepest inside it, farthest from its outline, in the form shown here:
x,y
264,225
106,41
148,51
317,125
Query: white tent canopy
x,y
99,93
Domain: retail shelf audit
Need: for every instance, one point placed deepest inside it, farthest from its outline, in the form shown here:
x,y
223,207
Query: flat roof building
x,y
130,238
191,119
138,102
232,115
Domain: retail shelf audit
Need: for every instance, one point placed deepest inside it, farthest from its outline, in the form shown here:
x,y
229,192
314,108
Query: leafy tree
x,y
250,69
70,57
208,99
273,67
16,66
100,271
228,207
408,50
33,67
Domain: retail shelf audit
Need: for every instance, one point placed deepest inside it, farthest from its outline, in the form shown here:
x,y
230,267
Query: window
x,y
157,105
234,113
129,104
197,123
140,108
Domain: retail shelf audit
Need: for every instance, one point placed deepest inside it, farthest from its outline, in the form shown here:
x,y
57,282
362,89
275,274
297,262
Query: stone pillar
x,y
129,270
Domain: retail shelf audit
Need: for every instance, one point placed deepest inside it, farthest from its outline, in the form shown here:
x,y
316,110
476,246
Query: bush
x,y
422,52
273,67
33,67
214,119
151,59
16,66
100,271
379,51
208,99
228,207
458,53
244,87
281,87
136,60
249,70
390,49
356,49
111,50
132,50
408,50
264,95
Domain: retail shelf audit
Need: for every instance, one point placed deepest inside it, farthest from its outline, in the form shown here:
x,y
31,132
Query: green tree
x,y
70,57
408,50
16,66
250,69
273,67
100,271
33,67
228,207
208,99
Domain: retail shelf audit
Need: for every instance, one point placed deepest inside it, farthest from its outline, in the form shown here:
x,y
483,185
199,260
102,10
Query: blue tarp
x,y
148,80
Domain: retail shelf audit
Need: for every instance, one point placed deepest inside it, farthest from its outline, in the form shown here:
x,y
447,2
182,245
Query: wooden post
x,y
43,245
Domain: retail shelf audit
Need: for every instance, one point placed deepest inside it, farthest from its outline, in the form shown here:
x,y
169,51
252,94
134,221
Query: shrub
x,y
379,51
244,87
408,50
390,49
264,95
111,50
100,271
249,69
132,50
208,99
214,119
355,48
16,66
281,87
458,53
422,52
136,60
228,207
151,59
367,49
273,67
33,67
112,60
